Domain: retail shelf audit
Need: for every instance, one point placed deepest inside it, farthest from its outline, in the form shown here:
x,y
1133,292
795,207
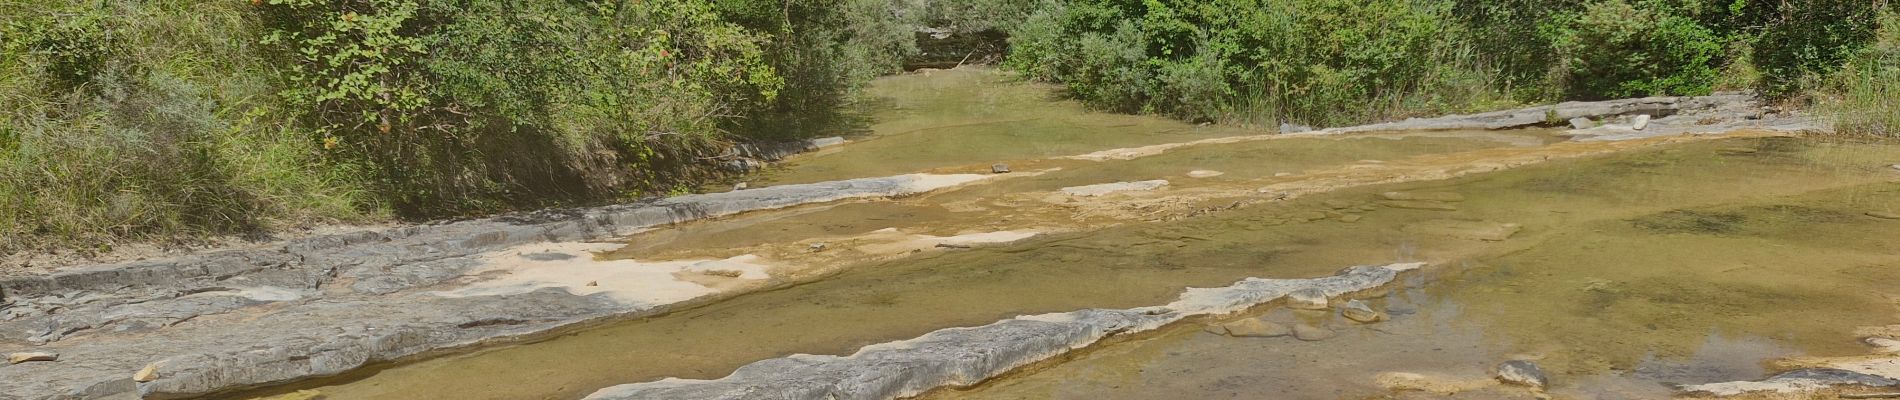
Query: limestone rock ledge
x,y
965,356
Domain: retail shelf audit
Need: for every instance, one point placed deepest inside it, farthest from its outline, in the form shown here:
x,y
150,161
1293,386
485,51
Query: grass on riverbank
x,y
155,120
1864,97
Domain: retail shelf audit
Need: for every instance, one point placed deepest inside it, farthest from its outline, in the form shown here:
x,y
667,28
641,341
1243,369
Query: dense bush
x,y
1331,62
1315,61
150,118
1614,49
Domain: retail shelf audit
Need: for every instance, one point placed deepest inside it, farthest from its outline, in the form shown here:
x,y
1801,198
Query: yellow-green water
x,y
1666,263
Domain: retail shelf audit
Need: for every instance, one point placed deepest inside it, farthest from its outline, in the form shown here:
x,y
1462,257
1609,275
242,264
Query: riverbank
x,y
461,284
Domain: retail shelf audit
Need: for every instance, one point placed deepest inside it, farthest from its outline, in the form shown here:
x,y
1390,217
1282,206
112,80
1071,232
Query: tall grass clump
x,y
1865,95
133,121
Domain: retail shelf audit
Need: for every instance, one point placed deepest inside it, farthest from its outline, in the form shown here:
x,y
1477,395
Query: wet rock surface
x,y
325,305
1255,327
1358,311
1313,333
962,356
1307,300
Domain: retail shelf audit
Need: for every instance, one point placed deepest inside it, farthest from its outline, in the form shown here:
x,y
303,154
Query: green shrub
x,y
1804,40
1615,49
1253,61
1865,98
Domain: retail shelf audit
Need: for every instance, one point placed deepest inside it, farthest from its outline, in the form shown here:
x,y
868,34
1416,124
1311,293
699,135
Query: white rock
x,y
1521,372
1640,122
1201,173
1307,299
147,374
1581,123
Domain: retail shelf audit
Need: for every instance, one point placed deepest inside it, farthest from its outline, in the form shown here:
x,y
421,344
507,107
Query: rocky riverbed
x,y
330,305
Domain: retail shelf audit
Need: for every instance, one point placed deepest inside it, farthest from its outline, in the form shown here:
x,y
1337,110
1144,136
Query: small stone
x,y
1521,372
1640,122
817,247
1883,215
1312,333
1895,167
593,283
1581,123
1351,218
1255,327
1424,196
1288,127
740,186
1307,299
17,358
1201,173
1286,174
147,374
999,169
1358,311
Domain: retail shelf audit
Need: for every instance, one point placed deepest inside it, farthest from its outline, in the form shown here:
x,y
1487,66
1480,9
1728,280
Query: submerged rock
x,y
1201,173
1883,215
1420,205
1255,327
1522,372
17,358
1306,299
1423,196
1351,218
1358,311
1312,333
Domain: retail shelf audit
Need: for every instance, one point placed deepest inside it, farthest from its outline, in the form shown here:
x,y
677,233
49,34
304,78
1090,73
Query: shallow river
x,y
1620,268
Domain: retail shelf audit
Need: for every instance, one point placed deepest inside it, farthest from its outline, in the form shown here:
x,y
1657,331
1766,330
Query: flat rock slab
x,y
1117,187
326,305
964,356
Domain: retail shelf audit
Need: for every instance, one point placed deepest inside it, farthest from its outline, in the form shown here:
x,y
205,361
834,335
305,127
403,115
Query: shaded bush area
x,y
159,118
1331,62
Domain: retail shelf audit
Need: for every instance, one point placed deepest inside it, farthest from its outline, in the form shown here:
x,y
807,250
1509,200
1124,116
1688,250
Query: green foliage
x,y
1865,95
152,118
1810,38
1314,61
1616,49
125,121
